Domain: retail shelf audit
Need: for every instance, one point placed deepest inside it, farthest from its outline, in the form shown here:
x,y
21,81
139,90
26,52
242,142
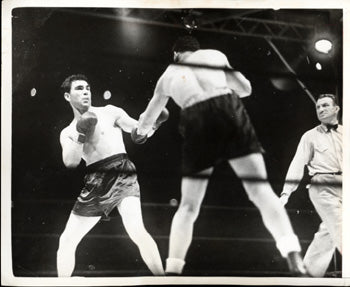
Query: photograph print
x,y
176,142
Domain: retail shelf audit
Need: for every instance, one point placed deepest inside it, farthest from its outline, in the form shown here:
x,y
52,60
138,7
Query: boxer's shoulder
x,y
115,112
68,131
107,110
111,108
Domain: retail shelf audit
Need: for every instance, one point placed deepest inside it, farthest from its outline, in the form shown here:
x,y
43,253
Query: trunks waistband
x,y
214,98
102,162
330,173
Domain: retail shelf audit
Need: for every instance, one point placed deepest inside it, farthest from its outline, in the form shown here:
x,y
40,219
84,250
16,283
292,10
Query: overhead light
x,y
124,12
318,66
107,95
33,92
323,46
173,202
283,83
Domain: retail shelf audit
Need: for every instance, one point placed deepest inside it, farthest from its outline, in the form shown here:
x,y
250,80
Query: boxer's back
x,y
191,84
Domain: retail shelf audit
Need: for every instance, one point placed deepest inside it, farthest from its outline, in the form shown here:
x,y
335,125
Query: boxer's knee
x,y
68,241
137,233
254,190
261,194
189,211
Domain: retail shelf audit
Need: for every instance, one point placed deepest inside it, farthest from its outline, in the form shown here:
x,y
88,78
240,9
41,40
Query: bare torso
x,y
189,85
107,138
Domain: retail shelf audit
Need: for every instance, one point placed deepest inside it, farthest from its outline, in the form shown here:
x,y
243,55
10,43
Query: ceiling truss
x,y
236,24
239,24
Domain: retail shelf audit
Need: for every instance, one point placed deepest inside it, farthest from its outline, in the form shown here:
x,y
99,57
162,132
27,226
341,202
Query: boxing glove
x,y
86,125
136,138
164,115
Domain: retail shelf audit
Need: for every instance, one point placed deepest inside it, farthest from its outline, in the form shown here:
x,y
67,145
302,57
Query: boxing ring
x,y
227,241
229,237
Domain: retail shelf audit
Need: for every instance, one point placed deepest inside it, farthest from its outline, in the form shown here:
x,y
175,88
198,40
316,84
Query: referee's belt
x,y
331,173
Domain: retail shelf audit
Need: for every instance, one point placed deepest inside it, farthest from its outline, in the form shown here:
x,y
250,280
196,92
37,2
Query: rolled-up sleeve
x,y
296,169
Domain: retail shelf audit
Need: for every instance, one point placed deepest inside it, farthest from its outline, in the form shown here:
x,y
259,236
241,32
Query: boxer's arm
x,y
236,81
122,119
154,108
125,122
72,148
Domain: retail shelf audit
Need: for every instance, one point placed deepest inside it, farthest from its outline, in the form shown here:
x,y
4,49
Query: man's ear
x,y
176,57
67,96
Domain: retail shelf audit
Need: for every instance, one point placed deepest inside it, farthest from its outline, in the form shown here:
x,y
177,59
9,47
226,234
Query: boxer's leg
x,y
192,194
130,211
273,213
76,228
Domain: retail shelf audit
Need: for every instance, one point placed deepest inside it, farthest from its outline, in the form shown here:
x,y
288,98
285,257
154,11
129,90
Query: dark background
x,y
127,57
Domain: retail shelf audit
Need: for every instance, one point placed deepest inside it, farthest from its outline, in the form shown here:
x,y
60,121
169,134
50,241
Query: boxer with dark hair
x,y
321,150
95,135
67,83
186,43
215,127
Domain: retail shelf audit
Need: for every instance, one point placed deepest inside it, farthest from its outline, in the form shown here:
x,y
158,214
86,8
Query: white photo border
x,y
7,278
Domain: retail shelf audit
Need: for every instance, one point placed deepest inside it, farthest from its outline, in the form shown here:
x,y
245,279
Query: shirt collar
x,y
324,126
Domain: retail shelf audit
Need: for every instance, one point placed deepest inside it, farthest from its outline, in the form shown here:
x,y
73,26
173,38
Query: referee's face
x,y
326,110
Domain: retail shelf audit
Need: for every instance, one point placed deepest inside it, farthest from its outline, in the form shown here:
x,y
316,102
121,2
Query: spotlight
x,y
107,95
323,46
318,66
283,83
124,12
173,202
33,92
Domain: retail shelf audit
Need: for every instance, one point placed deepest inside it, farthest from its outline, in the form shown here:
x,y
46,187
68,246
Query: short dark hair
x,y
67,83
186,43
331,96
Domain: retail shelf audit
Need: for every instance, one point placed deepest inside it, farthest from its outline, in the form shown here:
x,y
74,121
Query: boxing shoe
x,y
296,265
